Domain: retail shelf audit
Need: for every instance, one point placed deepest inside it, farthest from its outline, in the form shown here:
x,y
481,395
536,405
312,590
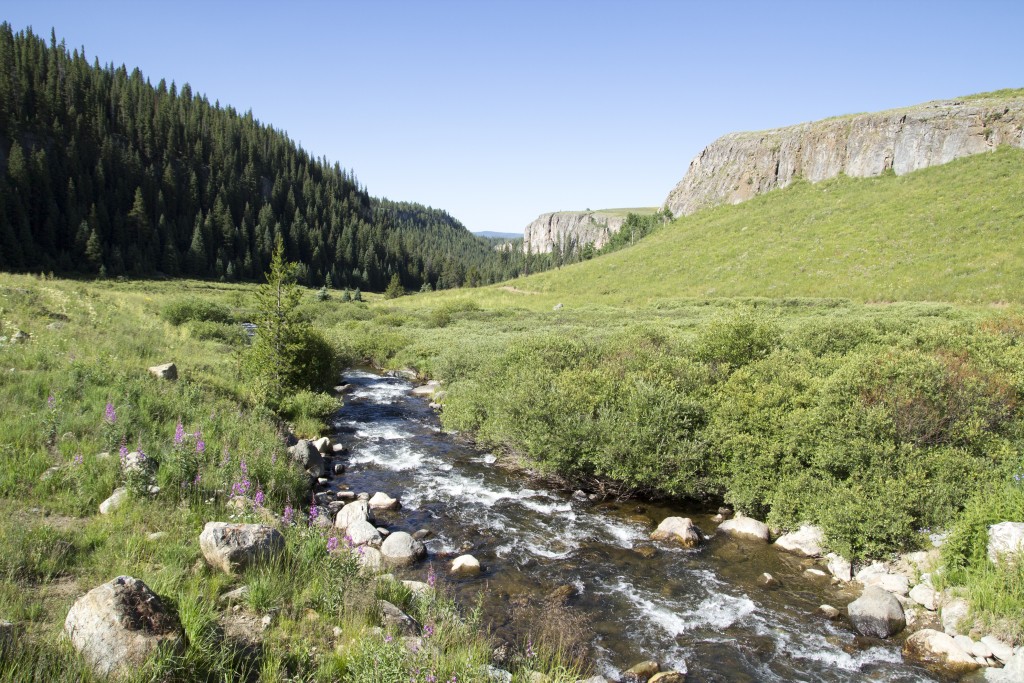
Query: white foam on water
x,y
816,648
382,431
718,610
620,533
400,459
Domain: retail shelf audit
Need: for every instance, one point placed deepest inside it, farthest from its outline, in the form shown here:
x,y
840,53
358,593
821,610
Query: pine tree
x,y
394,289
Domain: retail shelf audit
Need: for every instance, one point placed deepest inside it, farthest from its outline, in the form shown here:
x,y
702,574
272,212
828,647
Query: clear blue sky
x,y
498,111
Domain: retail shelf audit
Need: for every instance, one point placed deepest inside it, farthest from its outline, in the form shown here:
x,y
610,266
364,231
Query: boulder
x,y
118,625
805,541
925,596
137,463
418,588
465,565
933,647
382,501
746,527
641,671
370,559
876,613
233,547
237,595
401,550
393,618
7,632
165,371
116,500
1012,672
307,455
877,574
953,612
668,677
1005,541
361,532
768,581
1000,650
682,530
323,444
839,567
828,611
356,511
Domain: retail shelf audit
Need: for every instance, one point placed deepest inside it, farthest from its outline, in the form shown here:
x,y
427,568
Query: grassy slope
x,y
948,233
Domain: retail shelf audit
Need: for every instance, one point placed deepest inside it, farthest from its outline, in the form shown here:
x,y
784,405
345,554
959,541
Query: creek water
x,y
702,609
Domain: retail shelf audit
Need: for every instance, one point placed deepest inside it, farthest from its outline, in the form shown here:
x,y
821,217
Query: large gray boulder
x,y
116,500
233,547
953,612
362,532
934,647
1012,672
393,618
165,371
1006,541
118,625
308,456
401,550
746,527
681,530
805,541
382,501
356,511
877,613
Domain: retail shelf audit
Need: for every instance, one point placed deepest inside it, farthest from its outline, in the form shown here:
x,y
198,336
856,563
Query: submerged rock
x,y
682,530
877,613
118,625
382,501
746,527
465,565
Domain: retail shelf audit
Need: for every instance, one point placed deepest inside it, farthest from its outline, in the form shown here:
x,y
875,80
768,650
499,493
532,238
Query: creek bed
x,y
703,607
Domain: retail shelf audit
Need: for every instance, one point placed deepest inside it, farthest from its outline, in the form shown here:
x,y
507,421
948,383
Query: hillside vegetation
x,y
947,233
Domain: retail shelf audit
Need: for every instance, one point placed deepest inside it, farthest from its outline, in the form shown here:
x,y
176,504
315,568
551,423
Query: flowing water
x,y
703,607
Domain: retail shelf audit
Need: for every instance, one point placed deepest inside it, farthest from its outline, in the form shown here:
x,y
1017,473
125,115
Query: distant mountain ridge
x,y
739,166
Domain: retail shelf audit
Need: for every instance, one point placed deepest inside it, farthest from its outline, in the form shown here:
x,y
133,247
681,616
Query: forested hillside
x,y
103,173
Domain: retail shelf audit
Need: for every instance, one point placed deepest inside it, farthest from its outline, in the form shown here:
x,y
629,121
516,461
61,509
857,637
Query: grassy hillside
x,y
948,233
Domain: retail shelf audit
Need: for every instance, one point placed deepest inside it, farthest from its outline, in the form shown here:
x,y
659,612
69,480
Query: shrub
x,y
185,310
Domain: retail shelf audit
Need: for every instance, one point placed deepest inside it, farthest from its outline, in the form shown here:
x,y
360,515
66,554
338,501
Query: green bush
x,y
195,309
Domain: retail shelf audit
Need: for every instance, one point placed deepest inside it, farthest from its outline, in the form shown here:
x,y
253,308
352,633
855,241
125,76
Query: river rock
x,y
116,500
1000,650
308,456
933,647
427,389
682,530
361,532
394,618
356,511
465,565
839,567
641,672
371,560
925,596
876,613
1012,672
828,611
401,550
382,501
421,534
1005,541
323,444
953,612
233,547
118,625
668,677
805,541
166,371
418,588
745,527
768,581
877,574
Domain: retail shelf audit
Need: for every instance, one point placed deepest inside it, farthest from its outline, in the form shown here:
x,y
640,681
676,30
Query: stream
x,y
701,609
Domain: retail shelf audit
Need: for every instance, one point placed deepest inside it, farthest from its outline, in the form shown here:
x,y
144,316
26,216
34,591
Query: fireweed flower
x,y
332,544
314,512
179,434
51,401
110,415
431,577
428,630
78,459
289,514
258,498
200,444
123,452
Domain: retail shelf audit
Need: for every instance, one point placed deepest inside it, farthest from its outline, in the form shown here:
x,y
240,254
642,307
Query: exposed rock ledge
x,y
740,166
569,229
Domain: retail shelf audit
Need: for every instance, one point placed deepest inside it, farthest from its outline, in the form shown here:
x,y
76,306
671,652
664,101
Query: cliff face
x,y
570,228
739,166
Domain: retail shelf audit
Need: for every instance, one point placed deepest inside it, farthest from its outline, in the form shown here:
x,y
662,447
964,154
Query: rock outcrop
x,y
739,166
570,228
233,547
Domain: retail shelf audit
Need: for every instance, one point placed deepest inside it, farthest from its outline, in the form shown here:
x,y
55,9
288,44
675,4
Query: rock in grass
x,y
165,371
233,547
119,624
370,559
465,565
116,500
934,647
307,455
805,541
392,617
682,530
7,632
1005,541
877,613
401,550
745,527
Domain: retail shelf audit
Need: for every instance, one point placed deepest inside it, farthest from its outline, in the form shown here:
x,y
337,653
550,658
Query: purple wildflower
x,y
110,415
199,478
51,401
78,459
123,452
431,678
289,514
258,498
179,433
388,638
245,468
314,512
431,576
428,630
200,444
332,544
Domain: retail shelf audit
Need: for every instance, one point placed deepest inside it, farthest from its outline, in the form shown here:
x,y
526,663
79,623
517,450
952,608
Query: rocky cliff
x,y
739,166
570,228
